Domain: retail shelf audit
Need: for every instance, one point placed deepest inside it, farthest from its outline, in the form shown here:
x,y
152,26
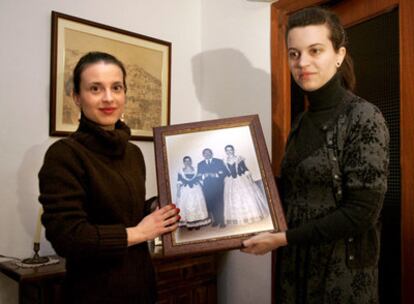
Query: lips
x,y
305,75
107,111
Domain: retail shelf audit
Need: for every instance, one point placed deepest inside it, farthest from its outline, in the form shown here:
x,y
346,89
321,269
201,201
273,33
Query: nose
x,y
107,96
303,60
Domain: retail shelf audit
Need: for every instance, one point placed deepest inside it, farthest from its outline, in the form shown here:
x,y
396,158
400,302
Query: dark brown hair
x,y
91,58
187,158
338,37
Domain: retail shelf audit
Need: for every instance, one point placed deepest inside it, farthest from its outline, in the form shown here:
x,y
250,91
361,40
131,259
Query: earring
x,y
122,117
338,64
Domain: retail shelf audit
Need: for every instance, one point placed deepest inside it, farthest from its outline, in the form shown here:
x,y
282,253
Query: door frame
x,y
281,100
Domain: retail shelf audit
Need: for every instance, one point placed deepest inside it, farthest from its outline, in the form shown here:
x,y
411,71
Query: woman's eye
x,y
118,88
315,51
293,55
95,89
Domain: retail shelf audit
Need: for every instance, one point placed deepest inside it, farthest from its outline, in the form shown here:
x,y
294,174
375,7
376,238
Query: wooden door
x,y
353,12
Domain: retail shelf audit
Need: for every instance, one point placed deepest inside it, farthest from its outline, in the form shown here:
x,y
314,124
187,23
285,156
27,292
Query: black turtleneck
x,y
324,101
323,109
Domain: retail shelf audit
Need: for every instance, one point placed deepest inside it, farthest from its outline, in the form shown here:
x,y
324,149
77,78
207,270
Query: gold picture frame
x,y
146,59
216,188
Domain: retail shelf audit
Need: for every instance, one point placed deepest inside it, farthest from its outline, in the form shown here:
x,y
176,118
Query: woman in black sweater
x,y
92,188
334,175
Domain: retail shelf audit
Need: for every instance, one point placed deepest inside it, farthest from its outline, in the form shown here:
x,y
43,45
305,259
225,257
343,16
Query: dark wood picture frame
x,y
173,143
146,59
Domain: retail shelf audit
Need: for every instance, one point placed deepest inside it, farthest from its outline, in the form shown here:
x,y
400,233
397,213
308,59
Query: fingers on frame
x,y
165,209
171,220
170,228
170,214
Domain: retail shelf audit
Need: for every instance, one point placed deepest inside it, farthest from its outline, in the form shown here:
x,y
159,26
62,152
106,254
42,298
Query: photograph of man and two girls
x,y
216,182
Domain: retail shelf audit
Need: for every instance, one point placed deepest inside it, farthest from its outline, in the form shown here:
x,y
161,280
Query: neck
x,y
327,96
108,128
96,138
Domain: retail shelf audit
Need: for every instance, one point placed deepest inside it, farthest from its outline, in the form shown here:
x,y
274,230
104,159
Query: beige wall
x,y
220,68
235,63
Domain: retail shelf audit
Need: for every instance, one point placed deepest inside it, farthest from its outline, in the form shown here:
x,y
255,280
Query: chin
x,y
107,122
309,87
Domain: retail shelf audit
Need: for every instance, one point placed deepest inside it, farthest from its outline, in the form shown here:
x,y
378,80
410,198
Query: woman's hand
x,y
159,222
264,242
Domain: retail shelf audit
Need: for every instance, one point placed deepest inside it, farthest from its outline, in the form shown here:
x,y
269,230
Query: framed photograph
x,y
147,61
218,173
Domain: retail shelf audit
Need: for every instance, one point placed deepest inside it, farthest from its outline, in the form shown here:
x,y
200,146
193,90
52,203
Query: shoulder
x,y
363,120
62,148
360,110
134,149
63,155
360,115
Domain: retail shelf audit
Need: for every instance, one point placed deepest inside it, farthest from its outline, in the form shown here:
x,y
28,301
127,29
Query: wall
x,y
235,65
220,68
24,78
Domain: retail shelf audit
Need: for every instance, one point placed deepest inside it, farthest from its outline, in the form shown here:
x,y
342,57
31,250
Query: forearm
x,y
78,239
354,216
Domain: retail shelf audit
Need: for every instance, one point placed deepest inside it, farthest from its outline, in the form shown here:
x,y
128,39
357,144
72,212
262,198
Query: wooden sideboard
x,y
186,279
36,285
180,280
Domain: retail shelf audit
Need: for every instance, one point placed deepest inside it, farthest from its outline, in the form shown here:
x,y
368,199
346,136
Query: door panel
x,y
374,49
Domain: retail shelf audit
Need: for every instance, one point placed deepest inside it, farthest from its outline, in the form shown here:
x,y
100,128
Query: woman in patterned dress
x,y
244,202
190,197
334,175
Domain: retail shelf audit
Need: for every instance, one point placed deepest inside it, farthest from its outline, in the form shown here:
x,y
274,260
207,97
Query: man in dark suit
x,y
212,172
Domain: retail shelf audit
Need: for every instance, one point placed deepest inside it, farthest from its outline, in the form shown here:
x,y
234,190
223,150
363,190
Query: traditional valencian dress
x,y
191,201
244,201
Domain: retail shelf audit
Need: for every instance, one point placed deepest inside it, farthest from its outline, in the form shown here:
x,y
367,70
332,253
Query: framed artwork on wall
x,y
147,61
219,174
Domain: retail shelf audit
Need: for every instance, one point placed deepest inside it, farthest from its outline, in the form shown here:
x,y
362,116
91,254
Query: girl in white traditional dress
x,y
244,201
190,198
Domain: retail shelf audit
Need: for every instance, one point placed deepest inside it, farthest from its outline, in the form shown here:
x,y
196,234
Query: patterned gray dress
x,y
333,215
